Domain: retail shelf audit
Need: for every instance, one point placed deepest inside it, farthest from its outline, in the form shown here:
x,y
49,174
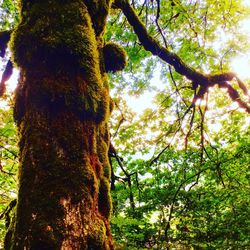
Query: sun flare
x,y
12,82
241,63
241,66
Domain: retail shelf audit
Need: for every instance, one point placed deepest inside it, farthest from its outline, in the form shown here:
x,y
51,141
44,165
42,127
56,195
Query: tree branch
x,y
198,79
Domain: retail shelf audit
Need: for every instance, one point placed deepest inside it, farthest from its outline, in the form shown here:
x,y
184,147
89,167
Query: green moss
x,y
111,105
59,175
8,240
103,147
98,11
104,201
97,235
114,57
60,35
103,155
62,108
88,102
19,107
62,38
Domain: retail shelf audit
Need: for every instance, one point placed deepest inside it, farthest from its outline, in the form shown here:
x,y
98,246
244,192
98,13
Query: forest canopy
x,y
180,125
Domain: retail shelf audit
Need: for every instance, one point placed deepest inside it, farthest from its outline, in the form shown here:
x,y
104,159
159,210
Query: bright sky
x,y
241,63
10,85
139,103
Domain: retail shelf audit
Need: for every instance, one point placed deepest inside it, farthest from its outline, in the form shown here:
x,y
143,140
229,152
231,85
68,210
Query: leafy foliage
x,y
180,171
185,202
8,165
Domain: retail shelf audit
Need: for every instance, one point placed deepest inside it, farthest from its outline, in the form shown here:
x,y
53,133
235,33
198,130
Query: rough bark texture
x,y
62,107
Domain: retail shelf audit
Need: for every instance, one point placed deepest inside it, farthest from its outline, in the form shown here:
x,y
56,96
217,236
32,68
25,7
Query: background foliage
x,y
180,172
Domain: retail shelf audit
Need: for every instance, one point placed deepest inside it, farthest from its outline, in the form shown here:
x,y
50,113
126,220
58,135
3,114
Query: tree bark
x,y
62,106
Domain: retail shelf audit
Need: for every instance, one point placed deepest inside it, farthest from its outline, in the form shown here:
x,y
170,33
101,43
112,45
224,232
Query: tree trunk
x,y
62,107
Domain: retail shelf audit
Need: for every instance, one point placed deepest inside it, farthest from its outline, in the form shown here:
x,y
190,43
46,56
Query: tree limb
x,y
198,79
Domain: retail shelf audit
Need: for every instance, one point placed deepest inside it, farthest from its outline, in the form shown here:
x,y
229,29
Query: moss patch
x,y
58,35
62,108
114,57
104,201
98,11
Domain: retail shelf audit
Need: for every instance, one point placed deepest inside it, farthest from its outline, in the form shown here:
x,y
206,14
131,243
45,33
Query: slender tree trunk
x,y
62,108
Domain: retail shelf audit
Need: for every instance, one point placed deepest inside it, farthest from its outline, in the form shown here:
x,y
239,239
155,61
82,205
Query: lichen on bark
x,y
62,106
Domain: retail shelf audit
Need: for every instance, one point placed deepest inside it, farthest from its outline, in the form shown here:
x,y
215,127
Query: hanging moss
x,y
114,57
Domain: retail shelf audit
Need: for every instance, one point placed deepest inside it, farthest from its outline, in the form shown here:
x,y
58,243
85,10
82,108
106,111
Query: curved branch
x,y
152,45
112,152
198,79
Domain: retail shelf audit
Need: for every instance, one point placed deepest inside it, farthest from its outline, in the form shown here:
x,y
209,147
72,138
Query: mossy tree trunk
x,y
62,107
